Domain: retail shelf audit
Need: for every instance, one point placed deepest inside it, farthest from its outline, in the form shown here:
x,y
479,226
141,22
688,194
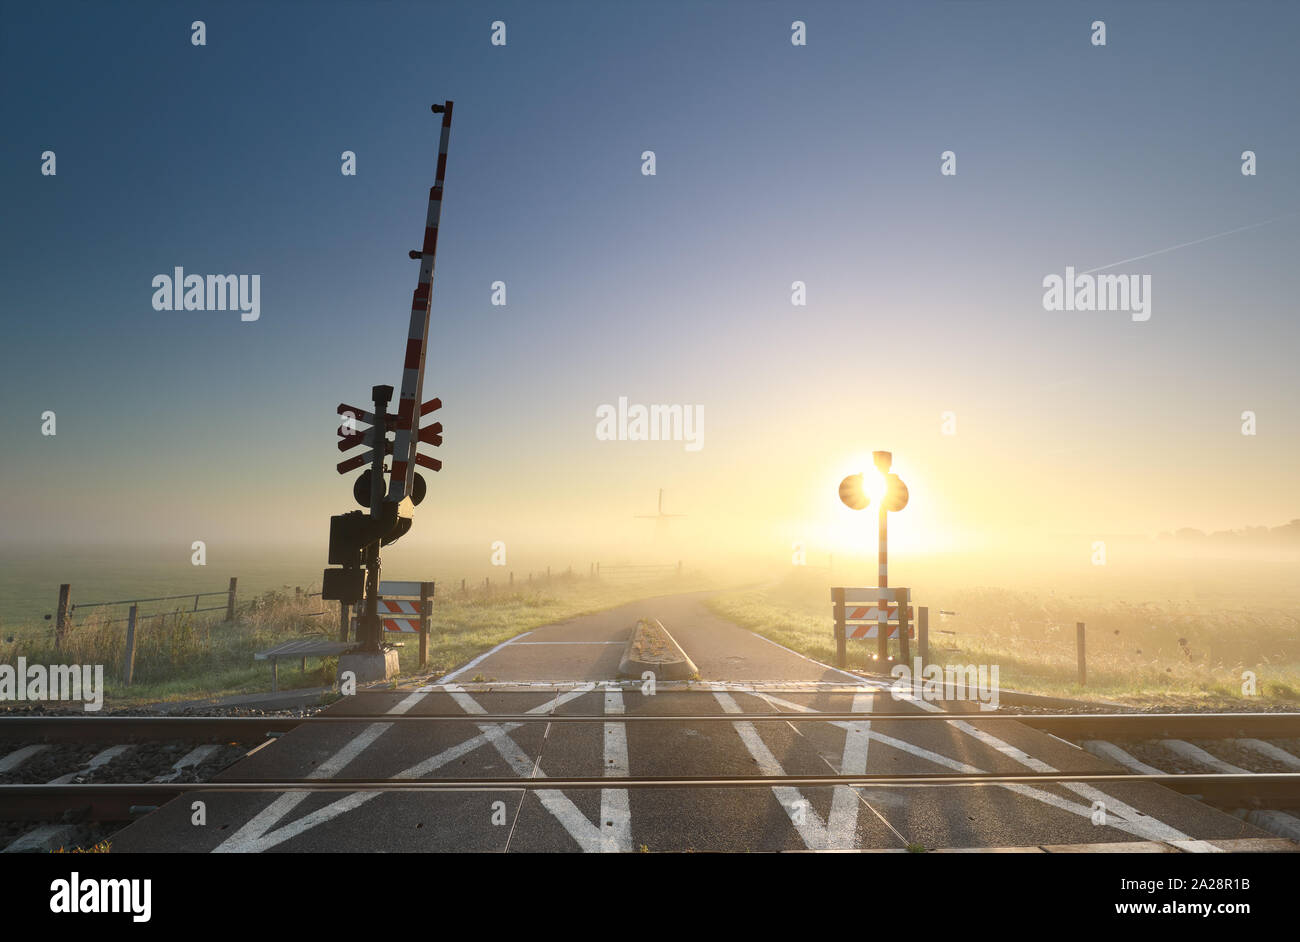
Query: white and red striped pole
x,y
883,461
404,457
882,626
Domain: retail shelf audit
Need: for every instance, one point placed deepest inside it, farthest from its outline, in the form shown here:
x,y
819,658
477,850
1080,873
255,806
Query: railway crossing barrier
x,y
405,608
355,538
858,618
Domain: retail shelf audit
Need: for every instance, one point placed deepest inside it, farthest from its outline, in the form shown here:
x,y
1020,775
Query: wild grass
x,y
183,656
1190,652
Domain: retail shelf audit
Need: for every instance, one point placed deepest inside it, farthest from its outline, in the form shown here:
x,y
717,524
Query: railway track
x,y
1245,763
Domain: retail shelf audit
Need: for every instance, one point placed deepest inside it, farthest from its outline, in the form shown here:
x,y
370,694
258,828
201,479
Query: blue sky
x,y
774,163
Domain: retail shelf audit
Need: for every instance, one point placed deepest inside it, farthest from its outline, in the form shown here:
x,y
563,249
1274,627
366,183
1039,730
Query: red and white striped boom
x,y
407,437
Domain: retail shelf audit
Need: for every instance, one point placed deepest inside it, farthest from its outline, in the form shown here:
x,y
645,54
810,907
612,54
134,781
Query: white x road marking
x,y
260,833
844,800
613,801
812,829
615,809
1120,815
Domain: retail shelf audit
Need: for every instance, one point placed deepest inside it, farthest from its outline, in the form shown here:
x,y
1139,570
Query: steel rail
x,y
143,728
1261,785
1079,725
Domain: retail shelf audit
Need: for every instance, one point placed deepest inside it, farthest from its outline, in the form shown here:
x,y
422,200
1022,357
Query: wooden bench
x,y
300,648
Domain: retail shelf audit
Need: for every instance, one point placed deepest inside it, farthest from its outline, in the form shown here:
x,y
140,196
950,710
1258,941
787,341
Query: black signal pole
x,y
369,633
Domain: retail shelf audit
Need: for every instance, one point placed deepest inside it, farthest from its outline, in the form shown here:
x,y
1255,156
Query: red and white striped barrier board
x,y
864,613
394,624
861,614
871,630
400,615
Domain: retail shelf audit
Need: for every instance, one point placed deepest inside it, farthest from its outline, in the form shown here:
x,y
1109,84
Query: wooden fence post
x,y
841,643
129,667
923,634
61,616
1083,660
230,602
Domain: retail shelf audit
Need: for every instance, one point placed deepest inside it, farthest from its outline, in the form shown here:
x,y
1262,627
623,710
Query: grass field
x,y
183,656
1174,653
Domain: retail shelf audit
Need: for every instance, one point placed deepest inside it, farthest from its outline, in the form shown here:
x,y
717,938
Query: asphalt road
x,y
570,667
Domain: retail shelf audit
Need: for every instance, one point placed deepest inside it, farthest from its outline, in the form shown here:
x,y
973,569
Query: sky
x,y
774,163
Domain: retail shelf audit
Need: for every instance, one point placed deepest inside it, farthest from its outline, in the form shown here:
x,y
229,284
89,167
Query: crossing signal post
x,y
356,537
893,497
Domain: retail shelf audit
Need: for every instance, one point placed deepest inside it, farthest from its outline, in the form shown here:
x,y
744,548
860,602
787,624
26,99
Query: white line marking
x,y
845,801
256,836
250,836
1144,825
869,698
556,802
480,659
1120,815
812,830
615,806
707,686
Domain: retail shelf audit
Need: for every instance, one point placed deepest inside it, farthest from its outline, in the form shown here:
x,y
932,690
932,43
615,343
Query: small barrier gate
x,y
857,617
405,607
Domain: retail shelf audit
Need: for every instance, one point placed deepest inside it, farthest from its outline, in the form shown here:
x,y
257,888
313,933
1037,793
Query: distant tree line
x,y
1285,535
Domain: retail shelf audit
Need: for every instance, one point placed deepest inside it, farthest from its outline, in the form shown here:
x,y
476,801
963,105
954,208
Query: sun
x,y
873,482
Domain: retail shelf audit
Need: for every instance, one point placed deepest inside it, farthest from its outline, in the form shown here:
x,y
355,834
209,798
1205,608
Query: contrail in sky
x,y
1217,235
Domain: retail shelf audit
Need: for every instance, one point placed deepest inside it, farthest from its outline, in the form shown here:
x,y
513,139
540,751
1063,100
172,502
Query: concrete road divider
x,y
652,648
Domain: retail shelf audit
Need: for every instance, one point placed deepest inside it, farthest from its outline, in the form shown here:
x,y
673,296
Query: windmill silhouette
x,y
660,518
